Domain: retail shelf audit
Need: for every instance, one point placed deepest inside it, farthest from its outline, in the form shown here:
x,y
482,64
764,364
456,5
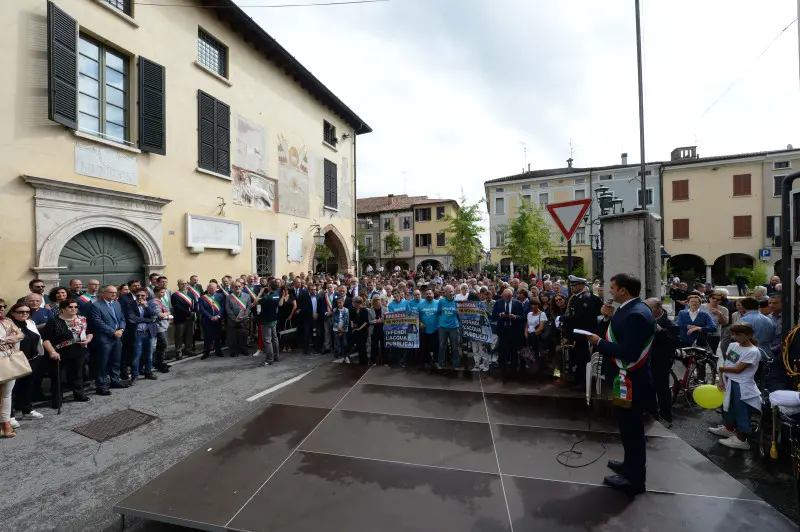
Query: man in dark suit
x,y
108,324
140,332
664,345
212,314
627,344
308,311
184,308
126,301
507,312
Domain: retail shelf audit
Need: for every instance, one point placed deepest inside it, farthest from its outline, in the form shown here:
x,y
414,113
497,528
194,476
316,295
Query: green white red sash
x,y
194,291
249,291
239,301
623,388
225,290
186,298
83,299
212,302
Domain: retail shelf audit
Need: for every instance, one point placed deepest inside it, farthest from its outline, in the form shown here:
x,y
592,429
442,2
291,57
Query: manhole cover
x,y
112,425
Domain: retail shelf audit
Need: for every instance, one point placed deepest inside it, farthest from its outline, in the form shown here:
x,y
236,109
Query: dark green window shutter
x,y
223,134
331,195
152,107
62,66
206,116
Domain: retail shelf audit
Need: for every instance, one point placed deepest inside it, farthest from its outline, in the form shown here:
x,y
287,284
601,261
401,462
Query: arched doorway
x,y
108,255
725,267
339,260
433,263
505,265
689,268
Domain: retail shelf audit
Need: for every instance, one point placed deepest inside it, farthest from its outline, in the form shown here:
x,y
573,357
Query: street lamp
x,y
609,204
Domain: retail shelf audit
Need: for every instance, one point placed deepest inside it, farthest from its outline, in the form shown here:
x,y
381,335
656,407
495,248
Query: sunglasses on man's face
x,y
141,296
18,311
73,306
2,306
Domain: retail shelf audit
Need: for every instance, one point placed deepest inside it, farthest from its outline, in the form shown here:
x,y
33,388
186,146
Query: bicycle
x,y
701,368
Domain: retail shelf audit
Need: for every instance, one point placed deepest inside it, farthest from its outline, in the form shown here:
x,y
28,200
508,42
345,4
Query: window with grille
x,y
741,185
680,190
329,133
122,5
440,240
212,54
680,228
742,226
103,91
265,253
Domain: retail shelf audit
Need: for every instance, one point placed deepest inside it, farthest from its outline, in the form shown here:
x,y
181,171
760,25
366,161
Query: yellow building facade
x,y
136,142
430,233
720,213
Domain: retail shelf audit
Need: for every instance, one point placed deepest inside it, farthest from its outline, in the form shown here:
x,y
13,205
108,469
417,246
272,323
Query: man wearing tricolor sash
x,y
627,345
184,308
237,312
212,307
196,290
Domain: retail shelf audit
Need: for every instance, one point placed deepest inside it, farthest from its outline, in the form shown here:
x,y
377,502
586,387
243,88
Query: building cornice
x,y
44,183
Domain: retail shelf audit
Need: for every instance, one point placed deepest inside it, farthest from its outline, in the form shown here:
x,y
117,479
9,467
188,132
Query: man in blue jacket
x,y
627,345
429,328
140,329
108,324
448,326
508,314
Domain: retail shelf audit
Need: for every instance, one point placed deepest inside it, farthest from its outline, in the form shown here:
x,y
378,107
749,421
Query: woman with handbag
x,y
31,346
10,337
65,340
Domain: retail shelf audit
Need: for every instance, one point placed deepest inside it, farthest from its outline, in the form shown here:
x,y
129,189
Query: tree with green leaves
x,y
463,234
392,244
324,254
528,240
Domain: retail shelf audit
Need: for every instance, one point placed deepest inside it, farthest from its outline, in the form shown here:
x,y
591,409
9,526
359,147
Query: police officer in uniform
x,y
583,311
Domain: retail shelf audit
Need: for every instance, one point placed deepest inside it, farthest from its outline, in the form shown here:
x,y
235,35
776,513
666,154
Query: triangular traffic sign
x,y
568,215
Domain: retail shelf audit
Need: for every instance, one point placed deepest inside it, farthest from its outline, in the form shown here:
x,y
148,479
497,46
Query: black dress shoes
x,y
617,466
205,356
80,397
103,392
131,382
620,483
120,385
163,368
150,377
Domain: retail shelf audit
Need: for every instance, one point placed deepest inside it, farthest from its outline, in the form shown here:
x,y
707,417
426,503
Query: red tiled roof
x,y
396,202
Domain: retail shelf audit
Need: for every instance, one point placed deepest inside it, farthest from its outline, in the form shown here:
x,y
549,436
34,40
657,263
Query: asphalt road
x,y
57,480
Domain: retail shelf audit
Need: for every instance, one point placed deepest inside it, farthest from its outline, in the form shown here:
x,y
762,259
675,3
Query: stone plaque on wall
x,y
103,162
208,232
294,247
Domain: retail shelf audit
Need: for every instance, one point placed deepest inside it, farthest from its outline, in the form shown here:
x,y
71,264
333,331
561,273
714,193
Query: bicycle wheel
x,y
674,385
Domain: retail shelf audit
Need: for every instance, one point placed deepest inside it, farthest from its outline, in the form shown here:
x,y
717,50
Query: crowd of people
x,y
115,336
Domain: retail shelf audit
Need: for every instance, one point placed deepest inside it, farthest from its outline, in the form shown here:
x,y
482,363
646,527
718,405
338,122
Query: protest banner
x,y
474,321
401,329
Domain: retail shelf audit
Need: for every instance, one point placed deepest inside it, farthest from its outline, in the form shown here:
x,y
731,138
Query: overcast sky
x,y
452,88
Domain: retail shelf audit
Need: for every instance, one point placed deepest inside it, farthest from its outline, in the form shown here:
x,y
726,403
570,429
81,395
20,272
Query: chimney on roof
x,y
529,164
391,199
686,152
624,159
569,162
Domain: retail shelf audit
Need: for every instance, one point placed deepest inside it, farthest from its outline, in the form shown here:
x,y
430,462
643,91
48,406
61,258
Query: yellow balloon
x,y
708,396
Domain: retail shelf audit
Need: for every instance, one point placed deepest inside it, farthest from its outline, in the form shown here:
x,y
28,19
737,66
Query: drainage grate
x,y
113,425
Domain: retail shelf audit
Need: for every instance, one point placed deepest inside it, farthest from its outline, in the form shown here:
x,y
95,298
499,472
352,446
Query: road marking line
x,y
181,361
277,387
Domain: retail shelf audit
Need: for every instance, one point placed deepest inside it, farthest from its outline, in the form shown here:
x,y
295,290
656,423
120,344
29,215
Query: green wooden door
x,y
108,255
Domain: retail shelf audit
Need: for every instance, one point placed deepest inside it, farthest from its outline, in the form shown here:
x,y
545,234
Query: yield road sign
x,y
568,215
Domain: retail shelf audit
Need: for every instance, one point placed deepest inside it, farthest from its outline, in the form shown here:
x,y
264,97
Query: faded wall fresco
x,y
345,193
293,181
251,185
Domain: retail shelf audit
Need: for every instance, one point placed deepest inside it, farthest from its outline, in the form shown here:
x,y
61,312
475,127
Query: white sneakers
x,y
14,423
735,443
32,415
721,431
258,353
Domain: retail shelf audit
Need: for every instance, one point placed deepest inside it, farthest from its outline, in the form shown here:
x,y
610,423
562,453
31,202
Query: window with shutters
x,y
422,215
680,228
439,213
329,133
773,226
639,196
62,71
122,5
680,190
500,238
214,134
331,185
499,206
103,91
440,240
405,222
777,185
741,185
406,243
152,107
387,224
742,226
212,54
